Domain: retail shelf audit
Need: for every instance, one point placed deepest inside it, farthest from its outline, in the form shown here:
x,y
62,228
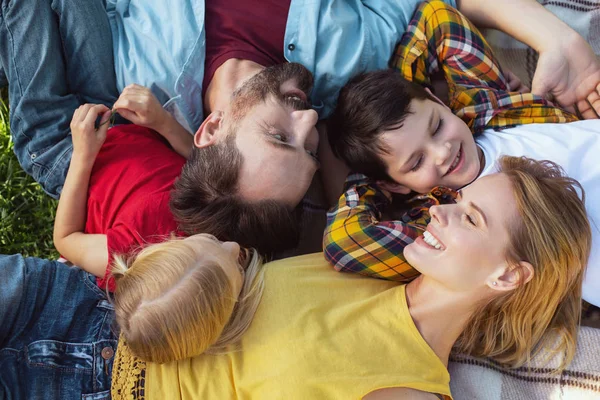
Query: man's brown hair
x,y
368,105
205,199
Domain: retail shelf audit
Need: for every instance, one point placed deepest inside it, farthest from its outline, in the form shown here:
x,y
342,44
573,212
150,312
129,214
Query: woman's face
x,y
465,244
225,254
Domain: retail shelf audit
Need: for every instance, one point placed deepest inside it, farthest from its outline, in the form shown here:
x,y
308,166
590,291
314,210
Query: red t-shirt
x,y
128,198
249,29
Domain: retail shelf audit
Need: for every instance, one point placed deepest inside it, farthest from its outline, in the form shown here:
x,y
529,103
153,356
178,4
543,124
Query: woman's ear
x,y
208,132
393,187
512,277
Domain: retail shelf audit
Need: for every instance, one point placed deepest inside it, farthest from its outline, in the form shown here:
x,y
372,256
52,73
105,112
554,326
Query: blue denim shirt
x,y
161,44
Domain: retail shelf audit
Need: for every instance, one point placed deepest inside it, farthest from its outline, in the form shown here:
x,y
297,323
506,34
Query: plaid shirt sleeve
x,y
440,37
355,239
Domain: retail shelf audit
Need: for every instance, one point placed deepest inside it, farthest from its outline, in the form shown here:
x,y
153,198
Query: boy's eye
x,y
470,219
417,164
439,127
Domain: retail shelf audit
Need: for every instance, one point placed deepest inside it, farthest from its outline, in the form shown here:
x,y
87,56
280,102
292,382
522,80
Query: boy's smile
x,y
432,147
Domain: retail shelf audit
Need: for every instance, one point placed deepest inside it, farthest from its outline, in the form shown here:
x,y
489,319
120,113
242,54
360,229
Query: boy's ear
x,y
393,187
207,134
435,98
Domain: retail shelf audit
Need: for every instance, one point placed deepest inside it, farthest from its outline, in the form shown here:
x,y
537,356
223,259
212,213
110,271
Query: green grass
x,y
26,211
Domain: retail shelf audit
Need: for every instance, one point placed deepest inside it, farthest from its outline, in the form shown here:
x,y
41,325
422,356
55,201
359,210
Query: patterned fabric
x,y
129,374
356,240
439,35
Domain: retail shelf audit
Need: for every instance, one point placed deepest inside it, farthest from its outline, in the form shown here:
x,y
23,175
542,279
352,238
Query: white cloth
x,y
576,148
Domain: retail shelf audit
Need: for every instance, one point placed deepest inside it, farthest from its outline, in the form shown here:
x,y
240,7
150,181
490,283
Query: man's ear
x,y
393,187
435,98
206,135
512,277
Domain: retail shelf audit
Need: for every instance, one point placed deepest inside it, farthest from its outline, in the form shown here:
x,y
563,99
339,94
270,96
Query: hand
x,y
140,106
87,140
514,83
570,72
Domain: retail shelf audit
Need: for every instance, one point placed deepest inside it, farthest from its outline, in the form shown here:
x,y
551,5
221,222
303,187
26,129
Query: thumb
x,y
540,87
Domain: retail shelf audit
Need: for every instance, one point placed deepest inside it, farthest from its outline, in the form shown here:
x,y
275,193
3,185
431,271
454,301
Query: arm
x,y
140,106
88,251
567,66
356,241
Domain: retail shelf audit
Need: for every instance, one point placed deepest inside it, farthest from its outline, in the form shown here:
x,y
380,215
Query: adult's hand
x,y
570,72
567,67
139,105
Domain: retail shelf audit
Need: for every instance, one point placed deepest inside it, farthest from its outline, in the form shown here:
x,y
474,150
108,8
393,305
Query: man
x,y
171,63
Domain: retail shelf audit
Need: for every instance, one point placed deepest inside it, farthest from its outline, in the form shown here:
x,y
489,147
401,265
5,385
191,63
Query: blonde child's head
x,y
182,297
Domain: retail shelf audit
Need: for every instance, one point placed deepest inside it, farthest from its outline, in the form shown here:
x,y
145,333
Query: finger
x,y
127,114
571,109
93,111
586,108
594,100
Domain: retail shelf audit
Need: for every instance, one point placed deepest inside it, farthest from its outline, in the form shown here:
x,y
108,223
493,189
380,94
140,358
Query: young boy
x,y
406,140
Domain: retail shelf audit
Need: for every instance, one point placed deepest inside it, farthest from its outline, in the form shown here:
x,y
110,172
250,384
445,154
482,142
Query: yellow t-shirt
x,y
317,334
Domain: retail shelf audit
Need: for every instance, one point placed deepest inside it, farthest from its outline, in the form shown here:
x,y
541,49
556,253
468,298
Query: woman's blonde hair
x,y
171,305
554,236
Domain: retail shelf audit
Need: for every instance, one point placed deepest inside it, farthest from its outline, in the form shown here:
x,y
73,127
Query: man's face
x,y
275,134
432,148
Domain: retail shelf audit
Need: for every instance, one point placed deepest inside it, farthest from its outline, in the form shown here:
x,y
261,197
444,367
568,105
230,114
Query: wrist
x,y
82,160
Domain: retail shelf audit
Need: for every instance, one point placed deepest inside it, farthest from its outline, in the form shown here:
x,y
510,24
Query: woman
x,y
503,276
498,274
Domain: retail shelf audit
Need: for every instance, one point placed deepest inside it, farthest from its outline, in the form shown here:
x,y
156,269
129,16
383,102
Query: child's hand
x,y
140,106
87,140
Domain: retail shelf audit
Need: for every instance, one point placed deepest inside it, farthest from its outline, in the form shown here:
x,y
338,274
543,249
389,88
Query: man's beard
x,y
268,82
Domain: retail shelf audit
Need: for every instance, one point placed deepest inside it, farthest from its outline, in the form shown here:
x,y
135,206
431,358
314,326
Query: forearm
x,y
177,136
525,20
355,239
71,213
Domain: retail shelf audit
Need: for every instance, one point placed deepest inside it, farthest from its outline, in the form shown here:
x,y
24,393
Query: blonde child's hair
x,y
555,237
170,304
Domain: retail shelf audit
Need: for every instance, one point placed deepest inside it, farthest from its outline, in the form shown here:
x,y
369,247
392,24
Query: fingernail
x,y
106,117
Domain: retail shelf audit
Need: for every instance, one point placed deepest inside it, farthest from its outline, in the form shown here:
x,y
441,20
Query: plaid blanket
x,y
474,378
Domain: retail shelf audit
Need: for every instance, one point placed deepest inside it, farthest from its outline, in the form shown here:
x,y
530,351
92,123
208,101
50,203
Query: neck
x,y
227,78
481,159
440,315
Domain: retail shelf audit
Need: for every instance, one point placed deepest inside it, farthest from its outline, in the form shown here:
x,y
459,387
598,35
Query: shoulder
x,y
399,393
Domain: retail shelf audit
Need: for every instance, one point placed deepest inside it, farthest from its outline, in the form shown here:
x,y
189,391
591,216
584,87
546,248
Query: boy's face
x,y
432,148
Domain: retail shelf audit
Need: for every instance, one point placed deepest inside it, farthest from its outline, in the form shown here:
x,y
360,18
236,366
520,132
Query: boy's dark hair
x,y
205,200
368,105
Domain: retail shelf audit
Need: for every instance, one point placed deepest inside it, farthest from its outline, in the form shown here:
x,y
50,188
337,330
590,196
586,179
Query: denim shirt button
x,y
291,47
107,353
33,156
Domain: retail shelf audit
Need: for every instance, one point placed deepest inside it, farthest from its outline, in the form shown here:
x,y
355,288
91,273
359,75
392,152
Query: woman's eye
x,y
417,164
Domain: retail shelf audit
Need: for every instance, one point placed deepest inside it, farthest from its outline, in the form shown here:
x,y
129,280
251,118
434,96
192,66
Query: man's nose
x,y
304,123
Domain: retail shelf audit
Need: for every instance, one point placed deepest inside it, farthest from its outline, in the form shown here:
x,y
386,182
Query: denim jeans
x,y
56,332
56,55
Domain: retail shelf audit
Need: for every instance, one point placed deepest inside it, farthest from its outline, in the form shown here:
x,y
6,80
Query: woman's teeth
x,y
431,240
